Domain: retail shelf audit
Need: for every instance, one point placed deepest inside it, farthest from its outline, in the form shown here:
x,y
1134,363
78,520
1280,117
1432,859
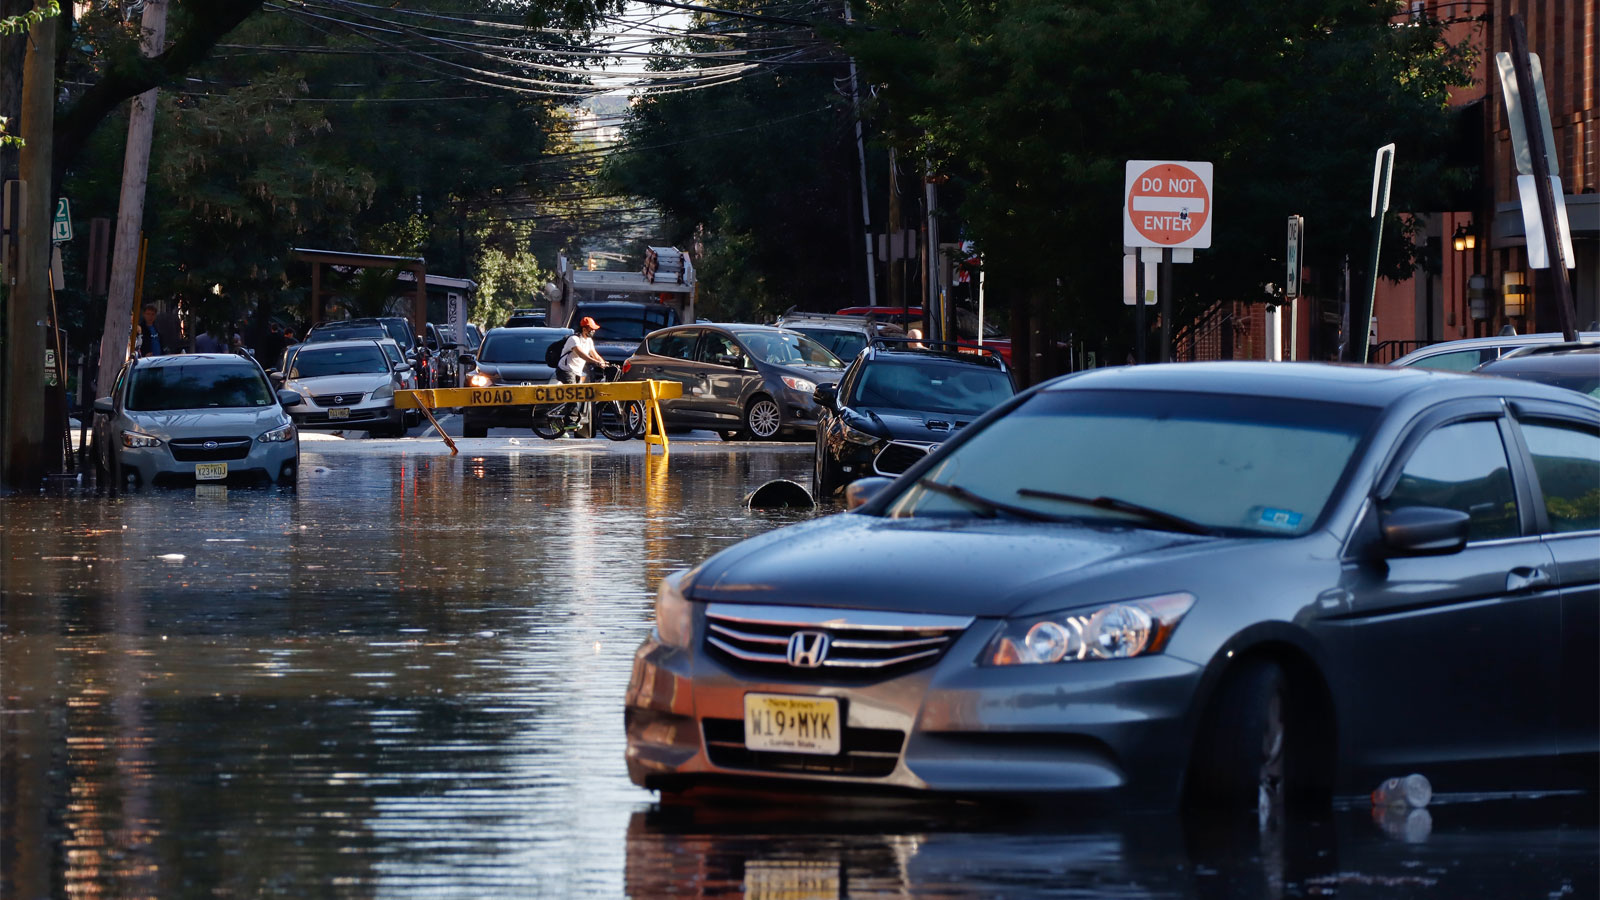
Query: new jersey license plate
x,y
210,471
791,724
339,412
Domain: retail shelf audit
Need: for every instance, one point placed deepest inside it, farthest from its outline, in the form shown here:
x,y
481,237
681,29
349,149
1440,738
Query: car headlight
x,y
674,614
479,380
384,392
135,439
278,435
1114,631
799,384
857,436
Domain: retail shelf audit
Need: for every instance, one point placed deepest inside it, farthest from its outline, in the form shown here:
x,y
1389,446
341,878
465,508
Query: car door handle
x,y
1526,578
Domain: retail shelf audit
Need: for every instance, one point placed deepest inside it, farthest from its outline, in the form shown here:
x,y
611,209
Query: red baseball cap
x,y
589,323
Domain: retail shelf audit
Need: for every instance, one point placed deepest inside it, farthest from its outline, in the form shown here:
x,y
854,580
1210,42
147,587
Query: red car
x,y
966,325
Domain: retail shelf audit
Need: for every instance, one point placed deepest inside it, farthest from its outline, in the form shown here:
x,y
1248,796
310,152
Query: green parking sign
x,y
61,228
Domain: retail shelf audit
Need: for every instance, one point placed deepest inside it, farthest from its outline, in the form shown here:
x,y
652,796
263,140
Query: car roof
x,y
1506,340
188,359
335,345
1361,385
529,329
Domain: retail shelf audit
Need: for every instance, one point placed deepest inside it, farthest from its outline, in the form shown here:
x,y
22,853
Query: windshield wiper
x,y
1166,520
986,507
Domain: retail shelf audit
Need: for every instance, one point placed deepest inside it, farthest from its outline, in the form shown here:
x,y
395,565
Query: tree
x,y
1033,106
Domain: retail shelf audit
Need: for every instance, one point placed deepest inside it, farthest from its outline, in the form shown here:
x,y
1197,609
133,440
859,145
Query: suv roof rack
x,y
924,345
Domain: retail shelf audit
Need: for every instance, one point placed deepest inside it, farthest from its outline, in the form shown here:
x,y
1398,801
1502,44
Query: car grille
x,y
859,642
898,456
863,752
221,449
337,399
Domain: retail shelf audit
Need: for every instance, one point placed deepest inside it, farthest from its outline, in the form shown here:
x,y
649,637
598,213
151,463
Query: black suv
x,y
897,402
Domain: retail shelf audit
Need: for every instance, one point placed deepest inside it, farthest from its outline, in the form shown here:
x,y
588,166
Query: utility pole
x,y
25,444
130,209
861,156
897,295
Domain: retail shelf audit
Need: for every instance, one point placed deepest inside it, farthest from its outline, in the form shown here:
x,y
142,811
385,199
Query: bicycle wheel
x,y
612,420
545,426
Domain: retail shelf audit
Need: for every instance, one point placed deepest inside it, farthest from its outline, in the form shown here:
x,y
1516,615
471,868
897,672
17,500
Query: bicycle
x,y
619,420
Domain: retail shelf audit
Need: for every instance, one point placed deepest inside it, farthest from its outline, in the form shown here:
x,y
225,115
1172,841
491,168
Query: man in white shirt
x,y
576,355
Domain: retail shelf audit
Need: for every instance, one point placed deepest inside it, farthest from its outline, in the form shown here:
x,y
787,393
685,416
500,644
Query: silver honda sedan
x,y
195,417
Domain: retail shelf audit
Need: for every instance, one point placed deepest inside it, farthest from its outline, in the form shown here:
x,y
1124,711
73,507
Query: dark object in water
x,y
779,494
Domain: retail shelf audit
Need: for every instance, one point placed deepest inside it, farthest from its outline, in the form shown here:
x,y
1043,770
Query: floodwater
x,y
405,679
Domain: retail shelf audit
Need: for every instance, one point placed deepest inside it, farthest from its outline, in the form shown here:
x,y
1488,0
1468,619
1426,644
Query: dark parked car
x,y
1231,582
896,404
526,318
742,381
1575,367
509,356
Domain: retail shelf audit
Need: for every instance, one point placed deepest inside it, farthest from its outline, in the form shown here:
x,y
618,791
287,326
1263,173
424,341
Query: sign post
x,y
1291,285
1167,204
1357,341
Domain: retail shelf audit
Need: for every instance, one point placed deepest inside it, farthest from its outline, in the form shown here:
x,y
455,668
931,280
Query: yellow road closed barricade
x,y
646,393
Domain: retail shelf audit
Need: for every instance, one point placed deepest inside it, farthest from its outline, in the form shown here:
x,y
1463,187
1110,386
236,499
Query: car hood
x,y
196,423
909,424
937,565
339,384
518,373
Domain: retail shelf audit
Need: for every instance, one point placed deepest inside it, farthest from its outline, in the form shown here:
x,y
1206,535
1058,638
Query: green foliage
x,y
1033,106
763,174
20,23
507,278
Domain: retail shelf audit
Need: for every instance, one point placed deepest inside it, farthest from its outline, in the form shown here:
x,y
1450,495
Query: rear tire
x,y
1252,753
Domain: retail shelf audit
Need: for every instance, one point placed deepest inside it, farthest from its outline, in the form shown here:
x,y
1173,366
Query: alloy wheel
x,y
764,418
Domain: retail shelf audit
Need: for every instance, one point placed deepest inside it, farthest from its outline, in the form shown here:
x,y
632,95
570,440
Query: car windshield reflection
x,y
788,349
1262,467
518,348
159,388
346,361
931,386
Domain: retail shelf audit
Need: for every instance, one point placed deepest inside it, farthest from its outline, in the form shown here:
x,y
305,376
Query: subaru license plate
x,y
210,471
791,724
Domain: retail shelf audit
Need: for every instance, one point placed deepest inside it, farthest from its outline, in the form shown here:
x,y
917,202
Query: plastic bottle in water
x,y
1413,791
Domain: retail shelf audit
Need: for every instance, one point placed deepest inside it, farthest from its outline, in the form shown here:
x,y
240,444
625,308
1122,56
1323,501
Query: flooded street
x,y
404,678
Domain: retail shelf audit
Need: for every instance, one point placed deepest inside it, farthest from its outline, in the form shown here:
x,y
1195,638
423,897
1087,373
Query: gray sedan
x,y
1225,582
195,417
742,381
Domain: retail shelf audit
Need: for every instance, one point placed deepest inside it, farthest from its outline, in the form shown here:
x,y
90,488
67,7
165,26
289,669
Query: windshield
x,y
627,325
1226,463
785,348
311,363
345,333
198,387
518,348
931,386
843,344
396,329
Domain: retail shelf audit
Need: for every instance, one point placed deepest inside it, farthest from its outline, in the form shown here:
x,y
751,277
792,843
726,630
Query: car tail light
x,y
627,366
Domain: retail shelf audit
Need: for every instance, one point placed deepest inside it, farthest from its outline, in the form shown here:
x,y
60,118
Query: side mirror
x,y
276,378
104,405
290,398
468,360
863,489
1424,531
402,367
826,396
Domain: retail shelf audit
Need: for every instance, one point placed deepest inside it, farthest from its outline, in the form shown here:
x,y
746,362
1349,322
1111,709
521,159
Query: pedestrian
x,y
915,335
576,355
207,341
149,336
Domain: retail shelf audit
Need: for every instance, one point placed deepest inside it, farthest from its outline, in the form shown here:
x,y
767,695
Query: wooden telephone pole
x,y
24,446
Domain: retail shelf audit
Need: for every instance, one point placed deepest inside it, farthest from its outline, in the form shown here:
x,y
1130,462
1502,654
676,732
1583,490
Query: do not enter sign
x,y
1167,204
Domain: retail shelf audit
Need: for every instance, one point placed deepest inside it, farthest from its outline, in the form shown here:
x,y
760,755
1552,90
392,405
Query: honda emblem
x,y
807,649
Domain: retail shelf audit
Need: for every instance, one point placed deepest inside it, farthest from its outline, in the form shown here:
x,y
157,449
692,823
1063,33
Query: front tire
x,y
1249,755
763,419
826,478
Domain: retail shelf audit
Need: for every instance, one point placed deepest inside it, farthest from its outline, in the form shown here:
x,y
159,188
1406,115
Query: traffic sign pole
x,y
1356,341
1138,315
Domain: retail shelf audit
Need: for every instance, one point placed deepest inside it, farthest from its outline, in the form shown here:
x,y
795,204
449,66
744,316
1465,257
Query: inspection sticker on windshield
x,y
791,724
1280,518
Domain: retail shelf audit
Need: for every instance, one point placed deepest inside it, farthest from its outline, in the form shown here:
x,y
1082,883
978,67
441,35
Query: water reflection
x,y
405,679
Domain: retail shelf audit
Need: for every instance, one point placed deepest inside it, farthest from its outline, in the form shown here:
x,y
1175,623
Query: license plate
x,y
210,471
783,879
792,724
339,412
